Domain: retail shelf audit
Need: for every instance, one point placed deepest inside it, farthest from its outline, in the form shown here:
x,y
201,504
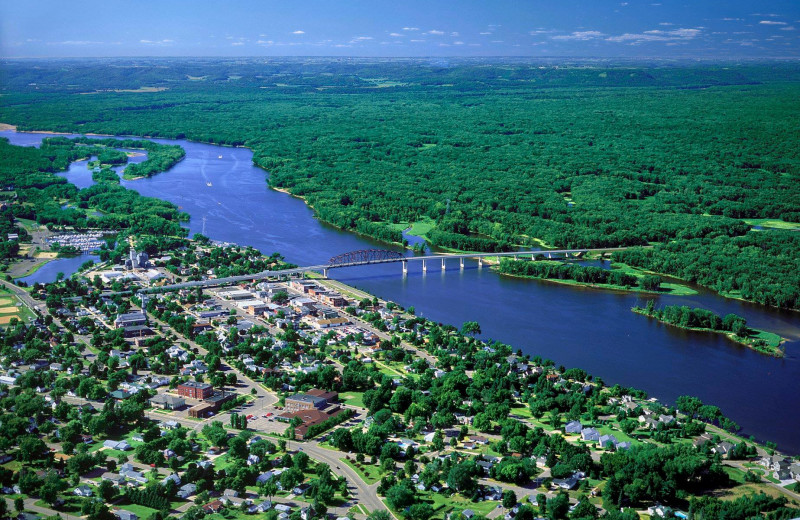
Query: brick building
x,y
195,390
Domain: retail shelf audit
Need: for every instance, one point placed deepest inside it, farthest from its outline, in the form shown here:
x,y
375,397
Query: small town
x,y
300,398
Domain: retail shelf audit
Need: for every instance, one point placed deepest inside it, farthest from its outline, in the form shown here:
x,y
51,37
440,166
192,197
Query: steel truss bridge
x,y
379,256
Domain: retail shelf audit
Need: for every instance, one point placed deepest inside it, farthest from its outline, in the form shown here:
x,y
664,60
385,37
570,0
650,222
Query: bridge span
x,y
374,256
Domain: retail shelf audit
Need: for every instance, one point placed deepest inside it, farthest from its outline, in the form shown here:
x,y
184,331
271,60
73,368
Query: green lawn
x,y
771,223
368,472
143,512
735,474
443,505
419,228
72,504
353,399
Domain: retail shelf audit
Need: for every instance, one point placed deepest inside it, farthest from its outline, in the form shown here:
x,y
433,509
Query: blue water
x,y
576,327
49,271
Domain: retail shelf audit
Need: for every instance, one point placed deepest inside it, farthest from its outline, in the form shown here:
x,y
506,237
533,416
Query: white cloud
x,y
497,41
666,24
298,32
265,42
417,41
76,42
396,35
771,22
540,30
454,33
359,39
411,28
237,43
458,43
676,35
789,28
435,32
157,42
580,36
733,19
485,33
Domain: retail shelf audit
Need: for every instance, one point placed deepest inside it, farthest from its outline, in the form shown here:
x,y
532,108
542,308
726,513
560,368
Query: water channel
x,y
576,327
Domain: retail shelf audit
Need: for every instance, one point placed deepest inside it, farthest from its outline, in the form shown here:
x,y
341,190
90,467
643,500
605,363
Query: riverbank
x,y
667,288
761,341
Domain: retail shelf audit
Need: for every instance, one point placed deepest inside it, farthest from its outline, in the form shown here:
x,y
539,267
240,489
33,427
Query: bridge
x,y
379,256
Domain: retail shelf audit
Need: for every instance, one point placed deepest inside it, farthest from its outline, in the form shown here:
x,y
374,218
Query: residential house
x,y
263,507
117,445
573,427
115,478
172,477
607,440
83,491
590,434
187,490
125,515
213,506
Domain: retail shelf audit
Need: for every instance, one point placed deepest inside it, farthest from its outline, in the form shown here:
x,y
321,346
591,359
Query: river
x,y
576,327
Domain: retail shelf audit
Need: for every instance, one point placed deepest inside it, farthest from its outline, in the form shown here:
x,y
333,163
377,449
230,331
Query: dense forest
x,y
49,199
497,155
561,271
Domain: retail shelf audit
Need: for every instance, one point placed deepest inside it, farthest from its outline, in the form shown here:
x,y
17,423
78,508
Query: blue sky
x,y
653,28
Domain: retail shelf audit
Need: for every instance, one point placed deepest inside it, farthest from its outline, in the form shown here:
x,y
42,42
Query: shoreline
x,y
574,283
775,351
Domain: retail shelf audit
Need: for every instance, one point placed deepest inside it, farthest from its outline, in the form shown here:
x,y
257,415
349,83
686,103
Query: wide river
x,y
576,327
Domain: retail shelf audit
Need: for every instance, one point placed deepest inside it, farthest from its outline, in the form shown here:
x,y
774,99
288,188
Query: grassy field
x,y
12,307
771,223
419,228
353,399
368,472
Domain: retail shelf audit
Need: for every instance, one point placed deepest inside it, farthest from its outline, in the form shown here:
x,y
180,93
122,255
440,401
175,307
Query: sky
x,y
379,28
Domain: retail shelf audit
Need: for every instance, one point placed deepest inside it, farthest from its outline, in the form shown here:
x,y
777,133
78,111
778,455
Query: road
x,y
25,298
364,494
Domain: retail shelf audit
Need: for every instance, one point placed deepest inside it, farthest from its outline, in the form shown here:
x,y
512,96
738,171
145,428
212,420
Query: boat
x,y
208,184
220,157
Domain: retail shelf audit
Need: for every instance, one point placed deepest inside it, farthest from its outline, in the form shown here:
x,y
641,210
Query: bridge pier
x,y
480,262
549,256
324,273
405,268
443,267
424,267
462,262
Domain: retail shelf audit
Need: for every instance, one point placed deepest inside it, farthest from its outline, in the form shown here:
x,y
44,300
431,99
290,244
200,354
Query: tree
x,y
421,511
19,504
584,509
509,499
558,507
400,496
463,477
280,297
470,328
31,448
651,282
107,491
379,514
